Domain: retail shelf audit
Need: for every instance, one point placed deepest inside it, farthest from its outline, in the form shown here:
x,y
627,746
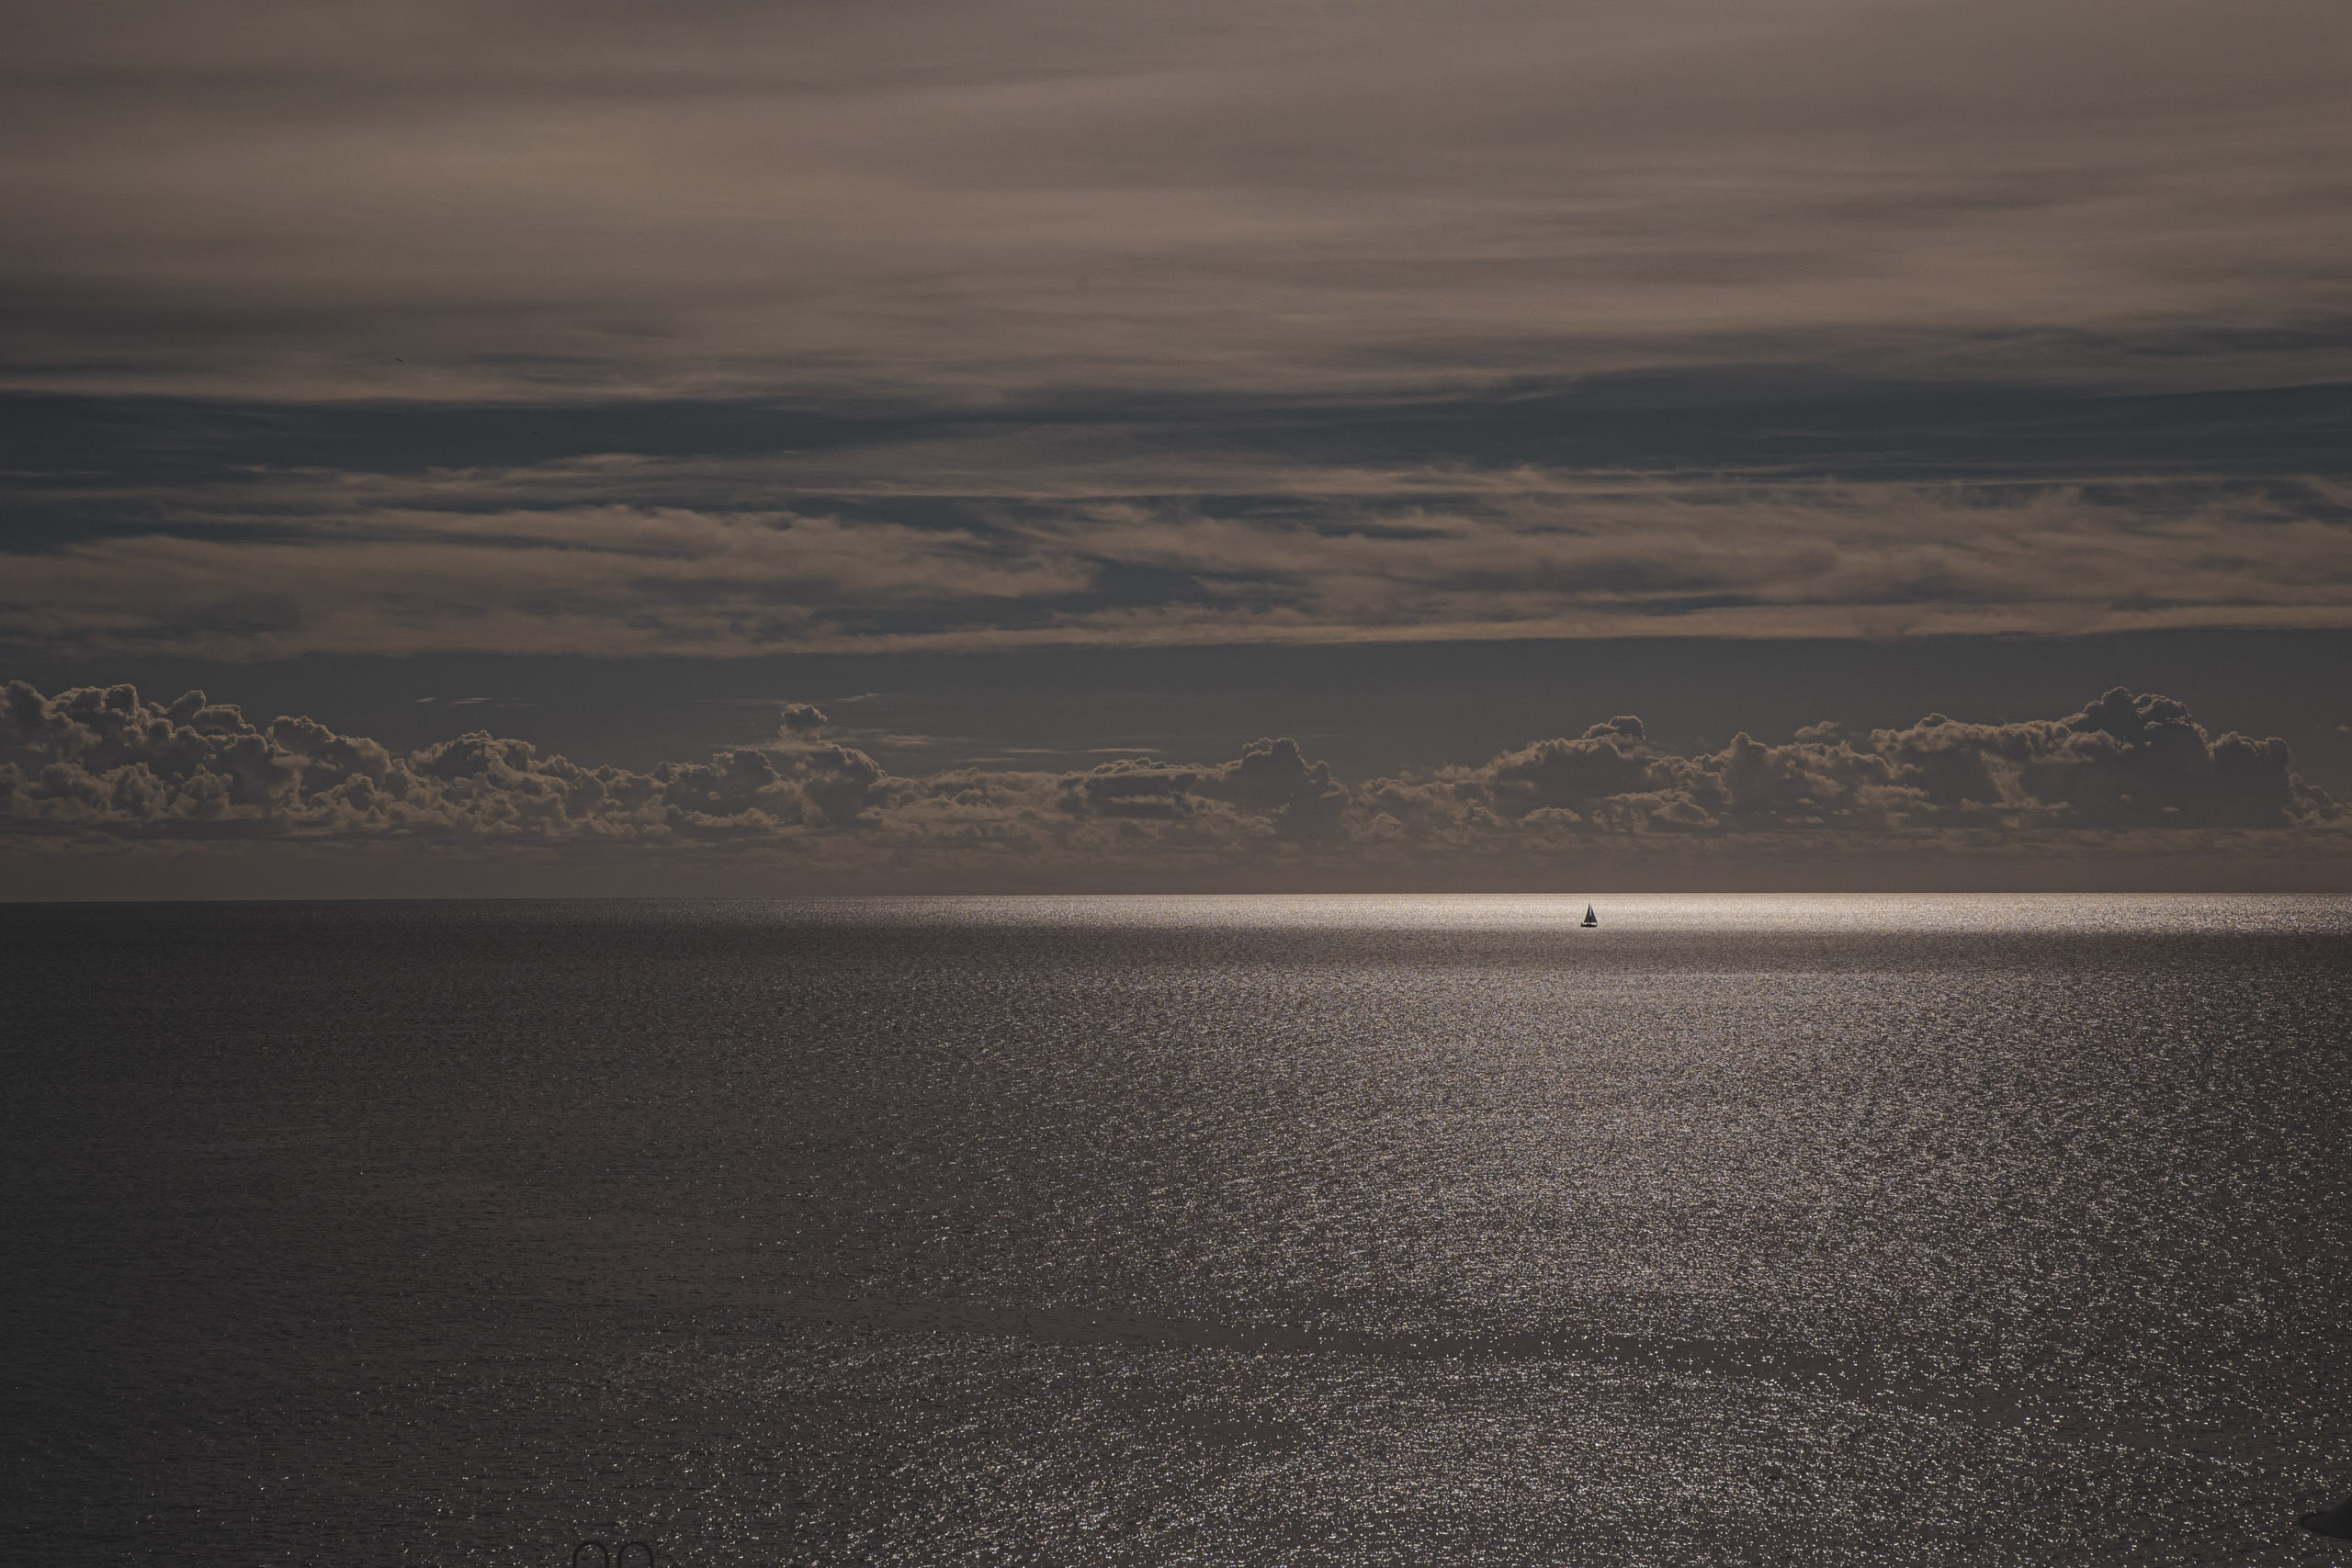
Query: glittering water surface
x,y
1859,1230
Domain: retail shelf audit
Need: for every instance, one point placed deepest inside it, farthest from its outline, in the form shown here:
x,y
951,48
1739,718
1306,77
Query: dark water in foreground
x,y
1869,1231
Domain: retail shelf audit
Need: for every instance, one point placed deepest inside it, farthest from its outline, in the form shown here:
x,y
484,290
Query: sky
x,y
1021,446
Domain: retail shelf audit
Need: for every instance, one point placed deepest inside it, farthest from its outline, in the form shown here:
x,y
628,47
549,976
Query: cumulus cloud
x,y
2124,762
103,763
1271,784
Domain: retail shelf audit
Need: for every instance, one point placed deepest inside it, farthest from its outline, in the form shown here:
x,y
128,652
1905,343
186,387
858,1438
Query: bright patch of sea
x,y
1890,1231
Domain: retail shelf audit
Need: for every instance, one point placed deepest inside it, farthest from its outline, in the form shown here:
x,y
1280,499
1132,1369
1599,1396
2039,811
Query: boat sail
x,y
2336,1521
1590,919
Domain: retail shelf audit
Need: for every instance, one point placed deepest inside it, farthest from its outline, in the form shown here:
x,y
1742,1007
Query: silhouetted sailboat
x,y
2336,1521
1590,919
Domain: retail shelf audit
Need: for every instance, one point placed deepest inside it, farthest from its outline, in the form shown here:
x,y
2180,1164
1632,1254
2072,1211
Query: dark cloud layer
x,y
439,202
1486,520
2136,773
334,329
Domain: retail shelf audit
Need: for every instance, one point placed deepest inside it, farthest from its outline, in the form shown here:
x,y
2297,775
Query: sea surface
x,y
1882,1231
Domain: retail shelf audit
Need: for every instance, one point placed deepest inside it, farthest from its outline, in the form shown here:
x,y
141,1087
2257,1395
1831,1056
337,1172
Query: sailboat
x,y
2336,1521
1590,919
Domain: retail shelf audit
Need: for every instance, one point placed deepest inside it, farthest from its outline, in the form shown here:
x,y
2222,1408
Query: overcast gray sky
x,y
985,365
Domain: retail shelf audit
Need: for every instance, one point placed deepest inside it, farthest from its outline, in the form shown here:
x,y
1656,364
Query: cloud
x,y
2123,762
1563,512
336,200
800,718
101,760
101,764
606,578
1271,784
328,563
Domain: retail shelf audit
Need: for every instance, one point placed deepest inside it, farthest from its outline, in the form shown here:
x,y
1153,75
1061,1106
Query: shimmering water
x,y
1866,1230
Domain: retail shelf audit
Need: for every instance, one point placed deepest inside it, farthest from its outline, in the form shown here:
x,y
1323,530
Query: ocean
x,y
1423,1231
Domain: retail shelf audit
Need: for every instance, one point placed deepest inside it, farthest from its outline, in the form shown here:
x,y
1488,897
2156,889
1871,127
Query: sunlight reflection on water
x,y
2007,913
1333,1230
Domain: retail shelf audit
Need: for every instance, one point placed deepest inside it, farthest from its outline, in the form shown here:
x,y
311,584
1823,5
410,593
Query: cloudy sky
x,y
1073,402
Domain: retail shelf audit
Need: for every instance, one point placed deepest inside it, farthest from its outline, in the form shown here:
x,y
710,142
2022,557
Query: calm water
x,y
1807,1231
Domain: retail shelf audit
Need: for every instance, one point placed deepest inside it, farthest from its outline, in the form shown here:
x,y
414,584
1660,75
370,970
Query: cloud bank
x,y
2136,773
